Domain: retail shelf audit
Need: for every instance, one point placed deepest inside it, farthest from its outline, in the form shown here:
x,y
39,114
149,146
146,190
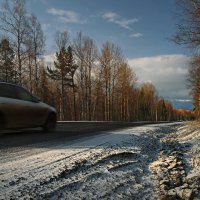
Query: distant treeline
x,y
84,82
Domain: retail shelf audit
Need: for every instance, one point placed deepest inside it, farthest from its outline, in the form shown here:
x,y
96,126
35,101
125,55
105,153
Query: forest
x,y
85,82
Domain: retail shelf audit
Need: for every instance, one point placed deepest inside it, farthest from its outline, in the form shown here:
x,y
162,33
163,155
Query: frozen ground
x,y
115,165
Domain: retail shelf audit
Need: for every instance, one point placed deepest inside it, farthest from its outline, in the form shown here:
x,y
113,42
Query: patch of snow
x,y
114,165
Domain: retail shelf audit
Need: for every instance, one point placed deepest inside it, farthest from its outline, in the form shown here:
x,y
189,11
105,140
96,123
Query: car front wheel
x,y
2,123
50,123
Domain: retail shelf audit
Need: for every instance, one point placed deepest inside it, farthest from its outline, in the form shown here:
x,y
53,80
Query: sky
x,y
142,28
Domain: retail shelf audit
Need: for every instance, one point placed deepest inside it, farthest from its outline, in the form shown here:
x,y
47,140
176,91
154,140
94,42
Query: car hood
x,y
47,106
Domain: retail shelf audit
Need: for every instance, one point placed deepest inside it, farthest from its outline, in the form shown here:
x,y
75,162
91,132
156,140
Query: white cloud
x,y
117,19
167,72
45,26
111,16
49,59
66,15
136,35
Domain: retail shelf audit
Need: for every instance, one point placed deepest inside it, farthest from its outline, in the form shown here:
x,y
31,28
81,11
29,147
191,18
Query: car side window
x,y
7,91
23,94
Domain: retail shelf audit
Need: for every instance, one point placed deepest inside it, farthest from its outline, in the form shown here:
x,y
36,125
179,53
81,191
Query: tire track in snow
x,y
100,167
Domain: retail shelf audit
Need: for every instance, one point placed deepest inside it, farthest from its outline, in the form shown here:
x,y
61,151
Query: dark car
x,y
20,109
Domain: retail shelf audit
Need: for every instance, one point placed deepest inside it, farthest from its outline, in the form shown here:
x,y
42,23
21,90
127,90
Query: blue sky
x,y
142,29
139,27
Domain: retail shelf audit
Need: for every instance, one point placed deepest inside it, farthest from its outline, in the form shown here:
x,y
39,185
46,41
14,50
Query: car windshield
x,y
23,94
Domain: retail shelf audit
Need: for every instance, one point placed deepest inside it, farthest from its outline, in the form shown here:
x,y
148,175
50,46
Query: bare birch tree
x,y
110,60
62,39
14,23
125,84
86,56
35,48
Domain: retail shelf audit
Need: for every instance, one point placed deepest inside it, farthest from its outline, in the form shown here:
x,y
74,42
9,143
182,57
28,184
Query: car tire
x,y
2,123
50,124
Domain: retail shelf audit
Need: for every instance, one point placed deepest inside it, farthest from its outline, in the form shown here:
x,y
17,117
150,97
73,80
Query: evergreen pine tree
x,y
63,72
7,72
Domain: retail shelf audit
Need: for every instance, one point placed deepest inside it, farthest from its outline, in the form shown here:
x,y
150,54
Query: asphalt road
x,y
65,131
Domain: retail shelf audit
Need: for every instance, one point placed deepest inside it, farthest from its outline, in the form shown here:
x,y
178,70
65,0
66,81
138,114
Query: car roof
x,y
12,84
7,83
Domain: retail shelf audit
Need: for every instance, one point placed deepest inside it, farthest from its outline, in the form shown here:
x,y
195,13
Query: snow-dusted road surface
x,y
113,165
